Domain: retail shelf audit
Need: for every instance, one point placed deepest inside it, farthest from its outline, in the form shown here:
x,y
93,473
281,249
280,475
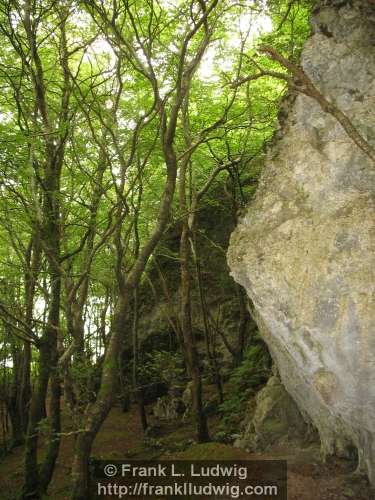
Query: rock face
x,y
275,418
220,290
168,408
305,249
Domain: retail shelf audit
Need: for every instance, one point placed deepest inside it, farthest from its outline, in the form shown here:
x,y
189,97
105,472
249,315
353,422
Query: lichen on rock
x,y
304,251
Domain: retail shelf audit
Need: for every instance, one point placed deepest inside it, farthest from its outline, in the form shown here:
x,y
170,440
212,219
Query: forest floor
x,y
121,437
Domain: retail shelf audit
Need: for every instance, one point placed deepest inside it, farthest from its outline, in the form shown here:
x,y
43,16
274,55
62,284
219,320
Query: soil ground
x,y
121,437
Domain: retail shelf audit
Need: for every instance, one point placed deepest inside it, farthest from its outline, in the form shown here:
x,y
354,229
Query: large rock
x,y
275,418
168,407
305,249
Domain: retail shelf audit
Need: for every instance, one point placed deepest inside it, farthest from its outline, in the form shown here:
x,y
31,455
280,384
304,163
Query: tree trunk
x,y
242,324
192,358
12,400
207,333
137,390
33,257
98,411
80,472
47,365
49,462
25,391
31,479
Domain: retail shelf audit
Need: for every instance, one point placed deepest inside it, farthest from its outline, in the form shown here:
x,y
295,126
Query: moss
x,y
183,434
272,428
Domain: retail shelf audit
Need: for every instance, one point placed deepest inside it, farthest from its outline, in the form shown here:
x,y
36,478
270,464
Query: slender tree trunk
x,y
33,257
192,358
138,391
47,468
191,351
173,321
207,333
69,396
37,408
4,429
80,473
25,392
12,400
98,411
75,390
47,349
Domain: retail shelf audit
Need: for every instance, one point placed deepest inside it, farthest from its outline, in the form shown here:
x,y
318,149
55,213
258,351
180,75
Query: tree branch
x,y
300,82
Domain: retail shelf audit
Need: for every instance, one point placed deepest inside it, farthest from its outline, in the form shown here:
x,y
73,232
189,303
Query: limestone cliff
x,y
159,312
305,249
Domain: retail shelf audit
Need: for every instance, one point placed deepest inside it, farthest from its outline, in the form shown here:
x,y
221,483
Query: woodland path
x,y
121,437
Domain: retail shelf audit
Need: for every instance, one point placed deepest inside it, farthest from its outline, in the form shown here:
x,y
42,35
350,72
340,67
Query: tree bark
x,y
138,392
191,352
31,470
98,410
207,331
47,468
